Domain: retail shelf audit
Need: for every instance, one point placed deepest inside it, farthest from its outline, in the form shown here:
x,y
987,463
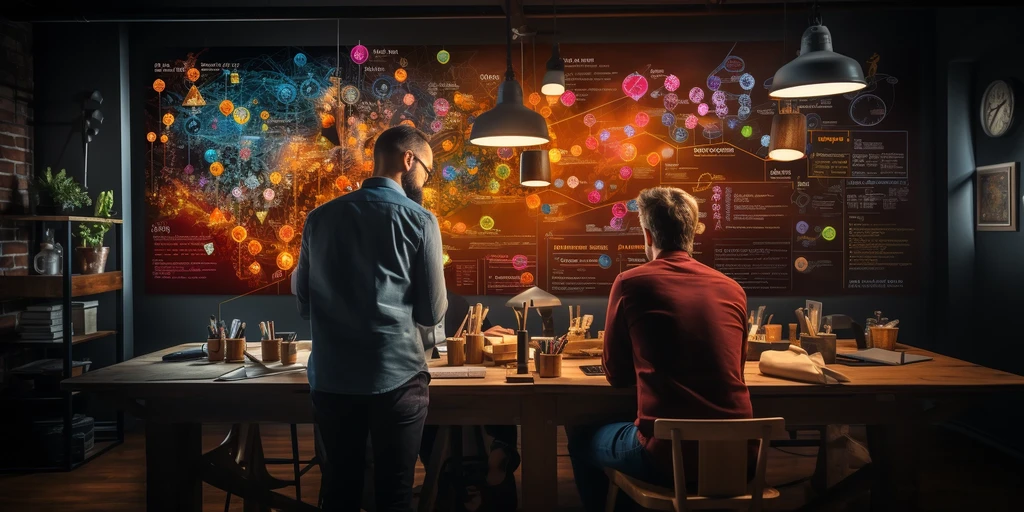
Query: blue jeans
x,y
615,446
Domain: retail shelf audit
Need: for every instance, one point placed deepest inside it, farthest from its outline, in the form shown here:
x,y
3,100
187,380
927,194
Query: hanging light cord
x,y
510,73
815,14
554,5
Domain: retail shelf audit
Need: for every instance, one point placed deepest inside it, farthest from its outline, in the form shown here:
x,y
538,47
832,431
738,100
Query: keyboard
x,y
457,372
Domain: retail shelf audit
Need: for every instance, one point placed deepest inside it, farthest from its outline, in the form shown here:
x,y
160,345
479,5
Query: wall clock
x,y
997,108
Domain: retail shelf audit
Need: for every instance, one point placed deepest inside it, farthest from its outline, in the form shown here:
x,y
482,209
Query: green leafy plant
x,y
62,190
91,233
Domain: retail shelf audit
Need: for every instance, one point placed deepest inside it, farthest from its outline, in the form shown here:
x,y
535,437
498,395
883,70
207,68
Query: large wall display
x,y
243,143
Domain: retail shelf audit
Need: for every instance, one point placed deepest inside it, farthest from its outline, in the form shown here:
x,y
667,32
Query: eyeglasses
x,y
430,171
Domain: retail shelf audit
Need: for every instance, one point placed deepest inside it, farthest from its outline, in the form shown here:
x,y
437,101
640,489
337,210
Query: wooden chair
x,y
722,466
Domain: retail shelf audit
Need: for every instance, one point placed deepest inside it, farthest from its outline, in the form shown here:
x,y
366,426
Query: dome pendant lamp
x,y
554,76
789,136
817,71
509,124
534,168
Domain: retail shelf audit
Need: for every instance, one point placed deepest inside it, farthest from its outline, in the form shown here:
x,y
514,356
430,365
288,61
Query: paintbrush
x,y
458,333
478,313
484,315
241,331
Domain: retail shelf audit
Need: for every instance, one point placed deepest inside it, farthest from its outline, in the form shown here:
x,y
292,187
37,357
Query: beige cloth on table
x,y
795,364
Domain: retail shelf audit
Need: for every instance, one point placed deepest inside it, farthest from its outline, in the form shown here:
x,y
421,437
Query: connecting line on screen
x,y
244,294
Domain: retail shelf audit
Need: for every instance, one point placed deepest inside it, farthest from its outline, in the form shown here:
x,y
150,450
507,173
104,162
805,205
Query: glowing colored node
x,y
159,85
604,261
244,153
151,137
722,110
671,83
545,111
285,260
505,153
743,113
534,99
255,247
668,119
210,155
241,115
493,187
829,233
526,279
446,259
743,100
615,223
690,122
573,182
732,123
718,97
408,99
747,81
472,171
168,119
164,138
236,192
471,161
627,152
216,168
264,127
589,120
268,194
443,56
192,74
327,120
520,262
286,233
629,130
679,134
667,152
671,101
632,205
696,95
447,145
254,268
452,191
401,74
619,209
766,140
625,172
436,125
252,182
359,54
599,185
459,228
189,169
714,82
641,119
746,131
635,86
554,155
351,141
545,209
533,201
653,159
568,98
594,197
559,183
576,150
503,171
238,234
449,173
409,123
441,107
235,78
350,95
300,59
591,143
604,135
702,109
486,223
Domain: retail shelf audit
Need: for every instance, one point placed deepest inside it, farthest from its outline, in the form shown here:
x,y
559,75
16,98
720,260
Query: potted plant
x,y
92,255
54,193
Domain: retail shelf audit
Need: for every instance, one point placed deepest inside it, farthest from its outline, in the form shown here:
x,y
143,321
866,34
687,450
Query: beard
x,y
413,191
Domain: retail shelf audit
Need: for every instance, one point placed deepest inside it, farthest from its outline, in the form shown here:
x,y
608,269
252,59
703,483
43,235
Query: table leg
x,y
540,459
894,449
173,458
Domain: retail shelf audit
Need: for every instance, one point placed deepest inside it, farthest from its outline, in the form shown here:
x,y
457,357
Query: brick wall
x,y
15,153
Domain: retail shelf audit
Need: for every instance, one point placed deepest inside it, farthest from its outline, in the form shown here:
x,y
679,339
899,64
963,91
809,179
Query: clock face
x,y
997,108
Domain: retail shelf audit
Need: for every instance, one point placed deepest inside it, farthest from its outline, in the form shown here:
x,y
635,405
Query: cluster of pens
x,y
755,329
267,331
554,346
217,329
475,318
882,321
809,318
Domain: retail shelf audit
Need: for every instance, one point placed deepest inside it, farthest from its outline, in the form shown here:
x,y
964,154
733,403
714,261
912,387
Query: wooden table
x,y
891,401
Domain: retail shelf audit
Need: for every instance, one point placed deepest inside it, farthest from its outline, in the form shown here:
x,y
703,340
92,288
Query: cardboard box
x,y
83,316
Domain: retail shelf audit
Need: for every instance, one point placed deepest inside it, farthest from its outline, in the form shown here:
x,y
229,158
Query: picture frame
x,y
996,196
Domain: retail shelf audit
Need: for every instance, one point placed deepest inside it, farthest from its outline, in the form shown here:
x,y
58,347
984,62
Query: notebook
x,y
880,356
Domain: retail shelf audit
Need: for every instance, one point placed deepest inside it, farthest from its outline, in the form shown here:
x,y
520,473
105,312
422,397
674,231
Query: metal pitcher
x,y
50,259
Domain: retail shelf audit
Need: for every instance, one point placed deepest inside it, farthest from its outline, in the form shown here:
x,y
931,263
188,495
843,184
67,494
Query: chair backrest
x,y
722,455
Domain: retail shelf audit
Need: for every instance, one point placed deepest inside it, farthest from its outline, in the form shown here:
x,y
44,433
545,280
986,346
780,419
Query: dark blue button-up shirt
x,y
369,271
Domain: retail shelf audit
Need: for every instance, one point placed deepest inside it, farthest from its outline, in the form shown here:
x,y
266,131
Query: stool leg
x,y
295,461
613,494
428,495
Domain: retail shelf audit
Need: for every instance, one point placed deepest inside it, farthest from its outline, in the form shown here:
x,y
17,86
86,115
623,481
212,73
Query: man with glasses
x,y
370,279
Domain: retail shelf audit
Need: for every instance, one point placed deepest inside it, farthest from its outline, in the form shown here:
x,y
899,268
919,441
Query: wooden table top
x,y
942,373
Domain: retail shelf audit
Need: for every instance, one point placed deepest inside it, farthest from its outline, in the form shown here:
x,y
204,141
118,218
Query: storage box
x,y
83,316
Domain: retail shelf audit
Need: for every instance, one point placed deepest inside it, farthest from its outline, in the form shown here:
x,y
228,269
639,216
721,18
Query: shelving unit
x,y
66,287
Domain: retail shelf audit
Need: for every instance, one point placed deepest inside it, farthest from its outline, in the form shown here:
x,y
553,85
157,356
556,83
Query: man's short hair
x,y
670,214
397,140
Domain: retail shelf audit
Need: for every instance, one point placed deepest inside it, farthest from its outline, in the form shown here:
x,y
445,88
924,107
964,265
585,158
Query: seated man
x,y
675,329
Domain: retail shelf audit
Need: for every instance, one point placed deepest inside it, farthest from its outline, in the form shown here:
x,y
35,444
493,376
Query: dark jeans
x,y
505,437
395,419
593,448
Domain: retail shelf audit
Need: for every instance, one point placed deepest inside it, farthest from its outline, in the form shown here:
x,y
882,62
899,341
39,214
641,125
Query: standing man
x,y
370,278
675,330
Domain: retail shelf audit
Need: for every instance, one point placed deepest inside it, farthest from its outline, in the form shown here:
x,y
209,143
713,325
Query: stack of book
x,y
42,323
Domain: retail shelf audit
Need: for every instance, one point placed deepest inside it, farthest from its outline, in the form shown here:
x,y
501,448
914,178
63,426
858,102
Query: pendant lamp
x,y
789,136
554,75
509,124
818,71
534,168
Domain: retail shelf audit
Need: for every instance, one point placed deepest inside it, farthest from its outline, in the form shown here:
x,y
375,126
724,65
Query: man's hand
x,y
498,330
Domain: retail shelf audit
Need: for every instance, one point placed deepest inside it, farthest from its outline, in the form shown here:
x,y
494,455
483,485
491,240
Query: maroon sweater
x,y
676,329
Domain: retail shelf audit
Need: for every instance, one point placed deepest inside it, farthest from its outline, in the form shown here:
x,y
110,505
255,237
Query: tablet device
x,y
593,370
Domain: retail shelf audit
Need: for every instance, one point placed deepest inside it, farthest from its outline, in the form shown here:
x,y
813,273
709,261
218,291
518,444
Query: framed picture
x,y
997,197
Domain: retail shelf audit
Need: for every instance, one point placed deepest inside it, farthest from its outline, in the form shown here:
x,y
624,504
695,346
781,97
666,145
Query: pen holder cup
x,y
456,351
823,343
549,365
884,337
234,351
773,332
794,335
215,350
475,348
289,352
271,350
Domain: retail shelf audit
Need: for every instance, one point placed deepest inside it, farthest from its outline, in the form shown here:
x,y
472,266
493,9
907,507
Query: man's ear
x,y
409,160
648,237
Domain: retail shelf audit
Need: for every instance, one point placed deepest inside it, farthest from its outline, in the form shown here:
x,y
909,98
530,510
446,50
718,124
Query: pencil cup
x,y
884,337
823,343
289,352
235,350
549,365
214,350
475,348
271,350
773,332
794,334
456,351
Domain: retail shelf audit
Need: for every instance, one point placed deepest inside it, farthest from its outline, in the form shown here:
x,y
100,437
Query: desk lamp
x,y
542,301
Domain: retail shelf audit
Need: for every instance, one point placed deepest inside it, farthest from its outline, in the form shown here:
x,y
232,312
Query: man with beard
x,y
370,279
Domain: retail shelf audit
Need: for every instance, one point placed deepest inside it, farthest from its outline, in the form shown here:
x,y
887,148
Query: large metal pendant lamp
x,y
818,71
509,124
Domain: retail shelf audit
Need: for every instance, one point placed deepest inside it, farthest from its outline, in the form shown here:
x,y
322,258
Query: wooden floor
x,y
957,473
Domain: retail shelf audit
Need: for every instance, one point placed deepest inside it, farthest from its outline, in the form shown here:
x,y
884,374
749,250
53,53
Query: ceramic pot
x,y
92,260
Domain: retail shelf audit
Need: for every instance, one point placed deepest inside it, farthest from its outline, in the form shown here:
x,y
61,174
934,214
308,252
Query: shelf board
x,y
52,287
75,340
32,396
59,218
82,338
